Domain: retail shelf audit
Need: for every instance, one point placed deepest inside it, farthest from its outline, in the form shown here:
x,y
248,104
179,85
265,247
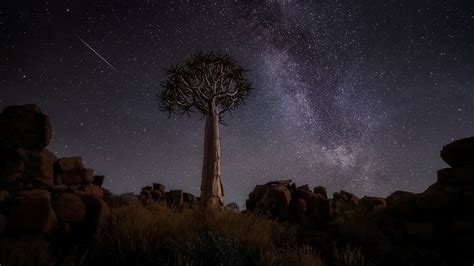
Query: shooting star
x,y
95,52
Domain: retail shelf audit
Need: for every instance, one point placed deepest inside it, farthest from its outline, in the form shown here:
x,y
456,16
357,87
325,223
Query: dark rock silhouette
x,y
24,126
41,195
459,153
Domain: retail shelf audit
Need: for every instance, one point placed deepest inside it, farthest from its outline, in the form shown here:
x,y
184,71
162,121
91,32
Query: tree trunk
x,y
211,187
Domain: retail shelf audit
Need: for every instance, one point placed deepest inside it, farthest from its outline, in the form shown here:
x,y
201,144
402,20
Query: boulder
x,y
250,204
402,203
304,187
80,176
58,189
145,197
24,126
260,191
69,208
345,201
157,195
321,191
436,200
316,206
11,166
159,187
149,188
98,180
96,210
69,164
281,194
188,198
279,182
370,203
174,198
93,190
34,246
31,212
459,153
456,176
468,203
38,164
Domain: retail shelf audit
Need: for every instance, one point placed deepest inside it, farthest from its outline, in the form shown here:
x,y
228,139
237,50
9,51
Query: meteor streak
x,y
95,52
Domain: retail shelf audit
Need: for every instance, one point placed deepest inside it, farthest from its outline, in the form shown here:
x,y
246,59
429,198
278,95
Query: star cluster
x,y
350,95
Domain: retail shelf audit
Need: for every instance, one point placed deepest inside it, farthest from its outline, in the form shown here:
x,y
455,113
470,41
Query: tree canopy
x,y
208,83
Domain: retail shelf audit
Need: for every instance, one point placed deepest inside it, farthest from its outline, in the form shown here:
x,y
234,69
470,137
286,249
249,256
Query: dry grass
x,y
157,235
137,235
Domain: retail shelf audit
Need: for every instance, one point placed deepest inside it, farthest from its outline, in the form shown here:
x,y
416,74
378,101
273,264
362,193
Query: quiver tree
x,y
210,84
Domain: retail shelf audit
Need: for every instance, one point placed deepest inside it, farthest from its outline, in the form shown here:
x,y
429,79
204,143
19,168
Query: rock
x,y
436,200
69,208
38,164
317,207
260,191
96,210
159,187
370,203
188,198
93,190
456,176
69,164
107,194
157,195
81,176
422,230
321,191
345,201
402,203
98,180
281,194
24,126
4,195
304,187
3,223
31,212
145,197
280,182
468,203
11,166
459,153
300,205
250,204
149,188
174,198
58,189
31,245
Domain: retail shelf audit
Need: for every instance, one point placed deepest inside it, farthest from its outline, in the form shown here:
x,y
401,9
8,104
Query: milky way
x,y
349,95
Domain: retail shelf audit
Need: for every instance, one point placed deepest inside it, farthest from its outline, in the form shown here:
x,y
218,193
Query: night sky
x,y
353,95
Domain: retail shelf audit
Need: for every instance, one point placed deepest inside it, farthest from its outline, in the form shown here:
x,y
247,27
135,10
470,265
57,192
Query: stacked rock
x,y
38,192
443,214
174,198
284,201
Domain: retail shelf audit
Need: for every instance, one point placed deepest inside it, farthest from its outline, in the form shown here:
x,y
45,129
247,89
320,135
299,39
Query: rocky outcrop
x,y
24,126
40,193
437,224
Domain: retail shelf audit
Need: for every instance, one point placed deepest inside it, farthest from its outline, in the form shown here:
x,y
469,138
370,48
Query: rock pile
x,y
174,198
40,193
434,227
444,213
285,201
